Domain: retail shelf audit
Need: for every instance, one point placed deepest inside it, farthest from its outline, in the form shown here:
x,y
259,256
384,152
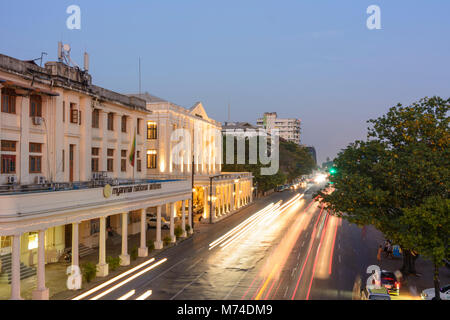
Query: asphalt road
x,y
289,249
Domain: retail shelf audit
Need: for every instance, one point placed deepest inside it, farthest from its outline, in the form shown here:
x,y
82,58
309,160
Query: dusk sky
x,y
314,60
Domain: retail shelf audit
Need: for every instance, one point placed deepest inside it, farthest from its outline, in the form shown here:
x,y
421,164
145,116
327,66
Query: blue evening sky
x,y
310,59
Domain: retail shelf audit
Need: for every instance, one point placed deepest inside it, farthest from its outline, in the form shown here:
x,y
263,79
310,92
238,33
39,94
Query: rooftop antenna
x,y
41,58
64,54
139,76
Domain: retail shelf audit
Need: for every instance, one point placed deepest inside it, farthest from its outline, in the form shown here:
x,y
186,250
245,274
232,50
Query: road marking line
x,y
187,286
339,258
285,292
193,265
226,297
127,295
159,275
104,284
129,279
145,295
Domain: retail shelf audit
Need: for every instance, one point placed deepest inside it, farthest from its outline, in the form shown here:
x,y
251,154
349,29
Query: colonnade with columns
x,y
42,292
225,197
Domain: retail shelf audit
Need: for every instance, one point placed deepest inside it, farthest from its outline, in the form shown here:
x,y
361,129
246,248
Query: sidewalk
x,y
411,286
55,273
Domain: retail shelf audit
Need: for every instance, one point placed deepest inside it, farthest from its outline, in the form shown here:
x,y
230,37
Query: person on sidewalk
x,y
380,250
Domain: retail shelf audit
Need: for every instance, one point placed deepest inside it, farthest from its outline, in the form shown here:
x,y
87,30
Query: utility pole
x,y
192,195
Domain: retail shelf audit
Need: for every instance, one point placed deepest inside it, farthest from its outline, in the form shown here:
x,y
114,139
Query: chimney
x,y
86,62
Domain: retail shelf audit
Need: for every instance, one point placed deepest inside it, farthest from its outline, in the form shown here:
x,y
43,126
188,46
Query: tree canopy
x,y
398,179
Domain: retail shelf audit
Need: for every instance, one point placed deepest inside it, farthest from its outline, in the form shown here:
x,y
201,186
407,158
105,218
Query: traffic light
x,y
333,171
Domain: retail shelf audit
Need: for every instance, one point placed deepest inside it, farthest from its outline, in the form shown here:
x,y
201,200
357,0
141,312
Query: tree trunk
x,y
437,287
409,262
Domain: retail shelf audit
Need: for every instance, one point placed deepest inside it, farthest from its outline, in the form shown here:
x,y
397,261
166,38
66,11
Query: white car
x,y
151,222
428,294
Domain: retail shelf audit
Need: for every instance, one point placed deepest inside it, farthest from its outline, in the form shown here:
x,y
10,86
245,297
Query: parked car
x,y
428,294
375,294
389,281
151,222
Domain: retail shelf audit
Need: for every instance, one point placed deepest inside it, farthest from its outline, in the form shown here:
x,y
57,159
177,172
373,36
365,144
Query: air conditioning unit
x,y
37,120
12,179
41,180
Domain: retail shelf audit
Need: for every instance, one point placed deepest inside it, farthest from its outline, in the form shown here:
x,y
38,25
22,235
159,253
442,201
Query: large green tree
x,y
387,180
294,161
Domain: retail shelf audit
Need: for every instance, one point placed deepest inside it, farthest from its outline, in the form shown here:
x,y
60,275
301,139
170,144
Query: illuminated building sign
x,y
117,191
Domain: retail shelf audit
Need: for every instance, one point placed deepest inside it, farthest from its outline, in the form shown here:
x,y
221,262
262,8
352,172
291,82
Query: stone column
x,y
158,242
223,194
238,196
75,245
15,268
124,257
251,190
191,230
232,197
212,210
183,218
206,203
41,292
102,266
172,222
143,250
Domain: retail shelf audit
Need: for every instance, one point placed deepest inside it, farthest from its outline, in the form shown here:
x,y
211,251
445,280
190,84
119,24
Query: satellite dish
x,y
66,47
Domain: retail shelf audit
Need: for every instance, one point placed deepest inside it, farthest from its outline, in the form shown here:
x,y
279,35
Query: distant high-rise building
x,y
289,128
312,151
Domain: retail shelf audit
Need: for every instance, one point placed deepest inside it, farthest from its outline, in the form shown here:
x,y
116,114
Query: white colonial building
x,y
79,162
224,192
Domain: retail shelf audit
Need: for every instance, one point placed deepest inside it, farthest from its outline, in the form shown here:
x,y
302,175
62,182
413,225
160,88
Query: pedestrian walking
x,y
380,250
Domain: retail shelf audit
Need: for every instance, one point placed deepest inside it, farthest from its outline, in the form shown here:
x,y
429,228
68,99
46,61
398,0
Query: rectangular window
x,y
123,161
151,159
94,164
124,123
8,145
8,163
111,121
8,101
138,166
35,106
151,130
73,113
63,160
95,160
110,160
96,118
35,164
33,240
110,165
95,226
35,147
138,126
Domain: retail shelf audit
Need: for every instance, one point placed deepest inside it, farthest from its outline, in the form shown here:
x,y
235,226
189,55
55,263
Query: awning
x,y
9,83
